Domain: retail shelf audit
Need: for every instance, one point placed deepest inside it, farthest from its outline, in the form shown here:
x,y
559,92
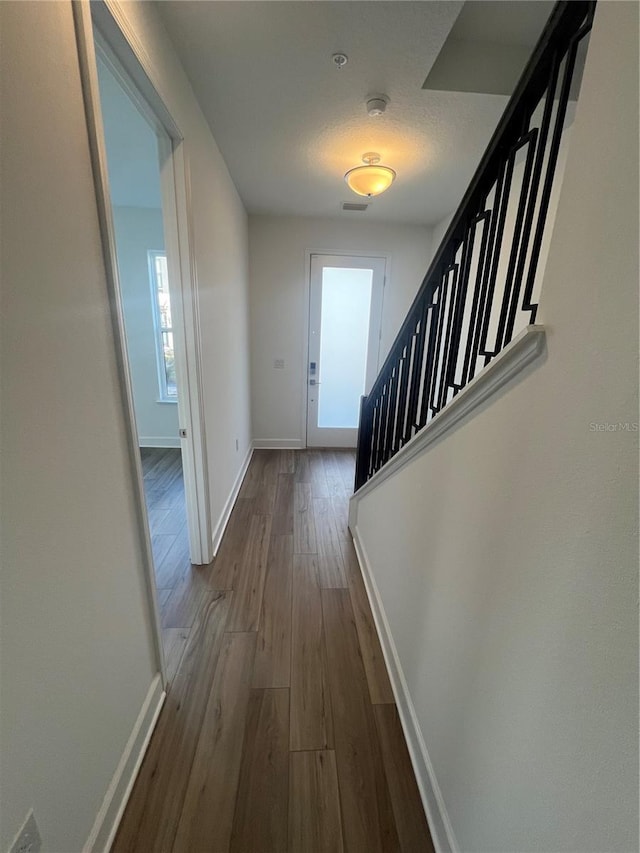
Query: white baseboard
x,y
432,800
158,441
115,800
221,526
278,444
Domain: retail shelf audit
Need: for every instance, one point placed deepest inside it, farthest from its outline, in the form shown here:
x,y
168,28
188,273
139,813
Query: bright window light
x,y
161,303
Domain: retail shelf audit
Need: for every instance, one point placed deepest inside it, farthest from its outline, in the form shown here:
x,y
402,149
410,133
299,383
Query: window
x,y
161,307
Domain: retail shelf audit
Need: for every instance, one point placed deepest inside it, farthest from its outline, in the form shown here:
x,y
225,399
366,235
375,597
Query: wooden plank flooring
x,y
279,732
314,803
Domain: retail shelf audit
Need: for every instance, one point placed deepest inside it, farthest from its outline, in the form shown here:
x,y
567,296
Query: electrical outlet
x,y
28,839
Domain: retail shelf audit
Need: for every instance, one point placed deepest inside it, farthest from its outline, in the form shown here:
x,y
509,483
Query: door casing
x,y
356,260
112,38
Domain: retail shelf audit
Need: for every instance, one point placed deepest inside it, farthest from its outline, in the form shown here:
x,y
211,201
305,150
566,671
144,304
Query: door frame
x,y
333,252
126,57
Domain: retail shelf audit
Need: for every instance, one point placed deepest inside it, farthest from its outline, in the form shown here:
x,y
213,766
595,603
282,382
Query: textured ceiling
x,y
290,125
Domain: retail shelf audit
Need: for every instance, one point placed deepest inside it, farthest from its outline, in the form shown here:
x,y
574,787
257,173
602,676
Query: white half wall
x,y
139,229
78,657
280,304
506,556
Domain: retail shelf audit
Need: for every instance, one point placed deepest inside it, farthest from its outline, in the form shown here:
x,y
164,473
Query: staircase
x,y
483,285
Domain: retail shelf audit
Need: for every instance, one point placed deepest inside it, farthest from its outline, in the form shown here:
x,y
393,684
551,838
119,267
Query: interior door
x,y
345,313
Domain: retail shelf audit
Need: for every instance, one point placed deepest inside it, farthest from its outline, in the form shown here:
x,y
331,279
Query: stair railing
x,y
483,283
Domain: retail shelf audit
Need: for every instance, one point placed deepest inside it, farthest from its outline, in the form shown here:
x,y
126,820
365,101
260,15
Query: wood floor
x,y
164,495
279,732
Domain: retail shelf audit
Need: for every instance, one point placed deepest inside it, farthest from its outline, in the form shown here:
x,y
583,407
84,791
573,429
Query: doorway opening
x,y
345,314
142,189
134,147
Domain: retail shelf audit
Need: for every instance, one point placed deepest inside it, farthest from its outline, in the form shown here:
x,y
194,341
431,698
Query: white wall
x,y
221,252
77,655
439,230
139,229
77,658
506,556
280,303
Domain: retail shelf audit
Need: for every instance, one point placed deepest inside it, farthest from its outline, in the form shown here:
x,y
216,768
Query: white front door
x,y
345,313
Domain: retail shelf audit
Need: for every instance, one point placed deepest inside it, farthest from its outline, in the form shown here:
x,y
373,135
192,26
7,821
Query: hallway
x,y
279,731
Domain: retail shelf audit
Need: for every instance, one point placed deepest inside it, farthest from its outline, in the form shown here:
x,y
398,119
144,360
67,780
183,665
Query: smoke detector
x,y
377,105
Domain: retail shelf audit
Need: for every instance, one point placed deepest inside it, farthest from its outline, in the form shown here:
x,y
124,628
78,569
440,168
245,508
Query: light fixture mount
x,y
370,179
376,105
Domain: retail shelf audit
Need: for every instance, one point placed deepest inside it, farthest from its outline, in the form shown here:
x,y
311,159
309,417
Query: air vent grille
x,y
355,205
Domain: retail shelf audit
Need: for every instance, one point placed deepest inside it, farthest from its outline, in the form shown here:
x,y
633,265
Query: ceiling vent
x,y
360,206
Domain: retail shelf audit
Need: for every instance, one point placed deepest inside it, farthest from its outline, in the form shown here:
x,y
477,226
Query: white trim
x,y
439,823
115,800
158,441
125,52
355,253
221,526
111,17
91,96
144,87
279,444
345,438
176,204
523,349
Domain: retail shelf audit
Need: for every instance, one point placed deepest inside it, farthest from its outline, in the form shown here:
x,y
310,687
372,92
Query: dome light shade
x,y
371,179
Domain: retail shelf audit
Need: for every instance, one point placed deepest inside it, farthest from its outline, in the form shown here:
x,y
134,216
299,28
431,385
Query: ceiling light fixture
x,y
376,105
371,179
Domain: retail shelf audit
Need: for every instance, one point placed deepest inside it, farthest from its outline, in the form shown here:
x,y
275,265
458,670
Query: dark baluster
x,y
435,359
416,375
548,182
501,215
468,369
389,417
452,342
429,364
405,367
492,222
382,427
364,445
530,141
543,135
375,438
